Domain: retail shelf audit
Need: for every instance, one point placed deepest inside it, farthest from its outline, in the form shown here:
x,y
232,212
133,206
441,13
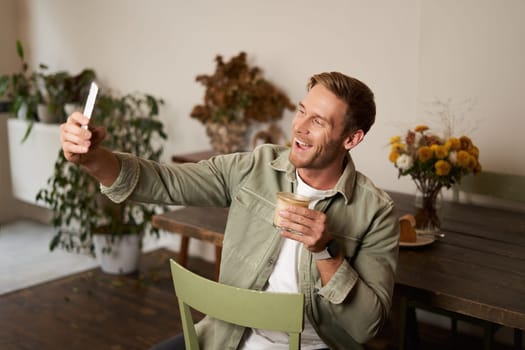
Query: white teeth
x,y
300,143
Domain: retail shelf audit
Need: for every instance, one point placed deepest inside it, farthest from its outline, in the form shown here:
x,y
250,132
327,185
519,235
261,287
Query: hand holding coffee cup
x,y
285,200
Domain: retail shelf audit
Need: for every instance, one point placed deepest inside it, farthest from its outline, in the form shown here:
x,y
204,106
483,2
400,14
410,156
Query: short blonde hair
x,y
359,98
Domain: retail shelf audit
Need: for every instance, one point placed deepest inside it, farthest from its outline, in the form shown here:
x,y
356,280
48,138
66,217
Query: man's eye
x,y
318,121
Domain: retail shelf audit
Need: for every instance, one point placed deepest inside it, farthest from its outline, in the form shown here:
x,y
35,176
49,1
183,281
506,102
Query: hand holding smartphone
x,y
90,102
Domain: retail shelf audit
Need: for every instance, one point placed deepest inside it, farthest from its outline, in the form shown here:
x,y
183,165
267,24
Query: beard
x,y
316,156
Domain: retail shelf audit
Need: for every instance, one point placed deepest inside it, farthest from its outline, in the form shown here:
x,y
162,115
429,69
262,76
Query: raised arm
x,y
82,146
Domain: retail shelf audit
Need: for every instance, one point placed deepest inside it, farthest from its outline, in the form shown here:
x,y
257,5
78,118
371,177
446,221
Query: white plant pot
x,y
123,256
22,112
45,116
69,108
31,163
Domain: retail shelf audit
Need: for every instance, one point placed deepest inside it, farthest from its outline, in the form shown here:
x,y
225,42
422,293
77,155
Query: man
x,y
345,254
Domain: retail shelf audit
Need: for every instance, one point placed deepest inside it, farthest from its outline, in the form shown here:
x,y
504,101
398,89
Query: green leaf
x,y
28,131
54,242
20,49
4,84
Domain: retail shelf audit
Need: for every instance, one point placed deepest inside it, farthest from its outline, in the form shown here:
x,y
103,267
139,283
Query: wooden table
x,y
204,223
193,157
477,270
167,223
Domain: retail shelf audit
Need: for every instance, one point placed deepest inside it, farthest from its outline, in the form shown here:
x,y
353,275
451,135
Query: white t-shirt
x,y
284,278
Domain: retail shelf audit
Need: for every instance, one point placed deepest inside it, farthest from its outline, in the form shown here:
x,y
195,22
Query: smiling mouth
x,y
302,145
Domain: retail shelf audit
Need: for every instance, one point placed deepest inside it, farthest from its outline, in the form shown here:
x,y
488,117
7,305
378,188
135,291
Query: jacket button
x,y
271,261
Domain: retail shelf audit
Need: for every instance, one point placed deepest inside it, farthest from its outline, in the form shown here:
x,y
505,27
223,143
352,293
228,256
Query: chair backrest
x,y
497,185
249,308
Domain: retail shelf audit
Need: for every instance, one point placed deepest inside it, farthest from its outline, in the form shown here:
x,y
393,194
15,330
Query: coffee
x,y
287,199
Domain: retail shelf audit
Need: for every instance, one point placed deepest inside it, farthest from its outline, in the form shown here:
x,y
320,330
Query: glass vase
x,y
428,204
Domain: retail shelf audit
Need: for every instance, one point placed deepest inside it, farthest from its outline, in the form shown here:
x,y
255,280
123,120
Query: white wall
x,y
475,49
160,46
11,208
407,51
7,64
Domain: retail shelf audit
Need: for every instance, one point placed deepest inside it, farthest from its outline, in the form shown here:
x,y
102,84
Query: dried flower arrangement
x,y
236,95
237,92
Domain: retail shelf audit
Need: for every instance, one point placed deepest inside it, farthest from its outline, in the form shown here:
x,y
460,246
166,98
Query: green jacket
x,y
349,309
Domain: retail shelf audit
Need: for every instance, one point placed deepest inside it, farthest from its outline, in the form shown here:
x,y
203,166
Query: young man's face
x,y
317,129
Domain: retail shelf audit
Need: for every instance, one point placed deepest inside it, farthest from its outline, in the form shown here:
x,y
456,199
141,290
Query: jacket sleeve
x,y
199,184
358,297
207,183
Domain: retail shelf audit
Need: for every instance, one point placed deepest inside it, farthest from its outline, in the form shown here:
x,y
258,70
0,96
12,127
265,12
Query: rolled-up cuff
x,y
340,285
126,181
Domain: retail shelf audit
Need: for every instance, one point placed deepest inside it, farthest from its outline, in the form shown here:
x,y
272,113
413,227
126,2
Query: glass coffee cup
x,y
285,200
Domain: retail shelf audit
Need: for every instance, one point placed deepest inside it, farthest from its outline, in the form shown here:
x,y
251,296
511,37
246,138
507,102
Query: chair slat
x,y
254,309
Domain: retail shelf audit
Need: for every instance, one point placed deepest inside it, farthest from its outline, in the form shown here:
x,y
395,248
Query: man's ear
x,y
354,139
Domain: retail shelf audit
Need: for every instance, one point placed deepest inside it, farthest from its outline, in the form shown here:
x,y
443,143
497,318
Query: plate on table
x,y
420,241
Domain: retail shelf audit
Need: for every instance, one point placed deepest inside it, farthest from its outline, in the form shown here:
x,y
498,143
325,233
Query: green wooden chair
x,y
500,186
249,308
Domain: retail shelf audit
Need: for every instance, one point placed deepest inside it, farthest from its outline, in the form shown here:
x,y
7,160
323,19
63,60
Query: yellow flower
x,y
398,146
442,167
471,163
453,144
393,156
395,139
477,168
420,128
440,151
463,158
442,161
466,143
474,152
424,153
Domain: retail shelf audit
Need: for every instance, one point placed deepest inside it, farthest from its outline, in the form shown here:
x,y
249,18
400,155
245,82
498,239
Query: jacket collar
x,y
344,186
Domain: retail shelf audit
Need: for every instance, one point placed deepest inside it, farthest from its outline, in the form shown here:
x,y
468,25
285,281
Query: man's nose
x,y
301,125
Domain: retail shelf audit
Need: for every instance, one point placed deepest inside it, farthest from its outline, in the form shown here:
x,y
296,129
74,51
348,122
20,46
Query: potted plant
x,y
80,212
21,90
30,96
39,95
51,88
236,95
61,93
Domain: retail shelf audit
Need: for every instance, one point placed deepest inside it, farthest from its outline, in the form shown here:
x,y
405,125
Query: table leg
x,y
403,329
488,336
518,339
183,251
409,335
218,251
